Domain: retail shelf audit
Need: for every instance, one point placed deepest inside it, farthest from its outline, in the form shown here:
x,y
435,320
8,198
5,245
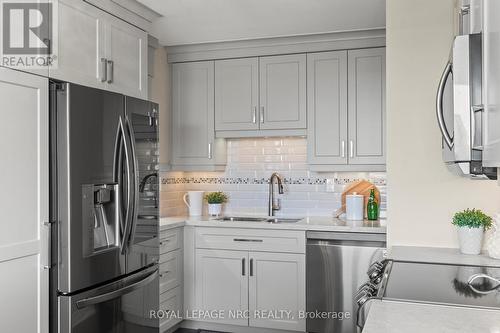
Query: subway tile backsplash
x,y
250,163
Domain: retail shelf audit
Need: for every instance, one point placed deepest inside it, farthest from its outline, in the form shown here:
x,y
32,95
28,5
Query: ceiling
x,y
201,21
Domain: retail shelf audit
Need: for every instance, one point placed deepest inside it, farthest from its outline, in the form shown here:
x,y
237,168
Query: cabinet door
x,y
126,51
277,282
222,284
81,44
236,94
366,76
283,92
24,239
193,113
327,107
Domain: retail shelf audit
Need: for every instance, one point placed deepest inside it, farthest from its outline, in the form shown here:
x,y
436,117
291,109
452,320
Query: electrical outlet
x,y
330,185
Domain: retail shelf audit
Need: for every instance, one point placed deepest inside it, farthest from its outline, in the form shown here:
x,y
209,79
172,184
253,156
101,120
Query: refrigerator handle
x,y
134,185
122,147
116,293
117,169
439,105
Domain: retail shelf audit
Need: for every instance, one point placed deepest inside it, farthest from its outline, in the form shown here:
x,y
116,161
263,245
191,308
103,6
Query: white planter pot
x,y
214,209
470,239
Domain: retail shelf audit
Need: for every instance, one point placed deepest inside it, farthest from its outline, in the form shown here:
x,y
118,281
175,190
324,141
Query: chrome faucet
x,y
274,205
144,181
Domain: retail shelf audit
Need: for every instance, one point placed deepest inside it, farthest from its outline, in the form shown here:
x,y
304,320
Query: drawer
x,y
251,239
171,306
170,270
170,240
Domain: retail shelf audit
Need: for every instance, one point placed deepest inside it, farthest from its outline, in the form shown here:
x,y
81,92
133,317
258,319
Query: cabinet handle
x,y
210,151
351,149
243,266
247,240
254,115
49,225
164,273
110,71
104,70
261,115
343,149
251,267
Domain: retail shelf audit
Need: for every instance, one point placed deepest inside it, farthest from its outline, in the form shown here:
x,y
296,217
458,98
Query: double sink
x,y
258,219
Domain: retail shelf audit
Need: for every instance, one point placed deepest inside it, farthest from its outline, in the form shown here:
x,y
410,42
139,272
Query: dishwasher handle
x,y
345,236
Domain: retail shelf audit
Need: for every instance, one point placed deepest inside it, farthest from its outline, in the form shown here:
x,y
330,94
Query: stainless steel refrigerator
x,y
104,211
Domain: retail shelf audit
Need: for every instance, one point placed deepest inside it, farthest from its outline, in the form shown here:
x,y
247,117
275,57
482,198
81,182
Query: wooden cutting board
x,y
362,187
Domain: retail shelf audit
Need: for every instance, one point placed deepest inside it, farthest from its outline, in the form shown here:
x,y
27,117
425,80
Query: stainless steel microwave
x,y
460,111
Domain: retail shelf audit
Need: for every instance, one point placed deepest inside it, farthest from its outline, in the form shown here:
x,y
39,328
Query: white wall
x,y
422,194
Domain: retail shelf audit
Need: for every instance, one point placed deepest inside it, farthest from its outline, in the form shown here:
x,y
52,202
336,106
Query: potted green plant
x,y
471,224
215,201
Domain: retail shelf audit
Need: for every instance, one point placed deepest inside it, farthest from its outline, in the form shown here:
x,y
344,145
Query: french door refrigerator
x,y
104,211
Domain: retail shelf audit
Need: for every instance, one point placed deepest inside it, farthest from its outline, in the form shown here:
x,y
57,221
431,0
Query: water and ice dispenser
x,y
101,220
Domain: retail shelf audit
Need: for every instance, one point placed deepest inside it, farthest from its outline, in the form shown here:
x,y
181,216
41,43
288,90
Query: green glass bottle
x,y
372,206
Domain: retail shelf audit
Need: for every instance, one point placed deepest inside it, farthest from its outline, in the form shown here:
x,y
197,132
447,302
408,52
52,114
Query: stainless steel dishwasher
x,y
337,263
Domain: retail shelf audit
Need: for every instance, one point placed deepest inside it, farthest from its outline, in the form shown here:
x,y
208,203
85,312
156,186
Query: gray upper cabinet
x,y
346,110
327,107
236,94
366,102
194,144
283,92
110,54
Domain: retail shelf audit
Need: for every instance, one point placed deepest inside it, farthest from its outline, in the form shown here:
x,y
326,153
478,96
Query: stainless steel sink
x,y
282,220
258,219
242,219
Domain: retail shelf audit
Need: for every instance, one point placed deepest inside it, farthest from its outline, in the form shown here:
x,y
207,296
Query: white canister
x,y
194,201
354,207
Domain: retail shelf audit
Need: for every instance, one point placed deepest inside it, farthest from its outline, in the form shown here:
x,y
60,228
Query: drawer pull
x,y
247,240
251,267
163,242
243,266
164,273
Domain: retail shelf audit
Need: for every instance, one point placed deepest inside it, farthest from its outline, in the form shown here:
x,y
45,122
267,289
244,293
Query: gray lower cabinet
x,y
346,110
236,94
194,144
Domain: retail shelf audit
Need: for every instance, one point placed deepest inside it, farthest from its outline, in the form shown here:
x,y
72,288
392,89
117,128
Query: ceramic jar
x,y
214,209
470,239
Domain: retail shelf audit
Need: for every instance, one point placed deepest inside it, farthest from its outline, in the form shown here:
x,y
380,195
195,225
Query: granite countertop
x,y
307,224
397,317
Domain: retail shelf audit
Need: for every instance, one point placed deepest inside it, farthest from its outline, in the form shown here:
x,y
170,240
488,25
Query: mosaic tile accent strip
x,y
259,181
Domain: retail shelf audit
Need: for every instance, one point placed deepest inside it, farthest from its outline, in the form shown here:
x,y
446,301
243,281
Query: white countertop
x,y
397,317
440,256
306,224
389,316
